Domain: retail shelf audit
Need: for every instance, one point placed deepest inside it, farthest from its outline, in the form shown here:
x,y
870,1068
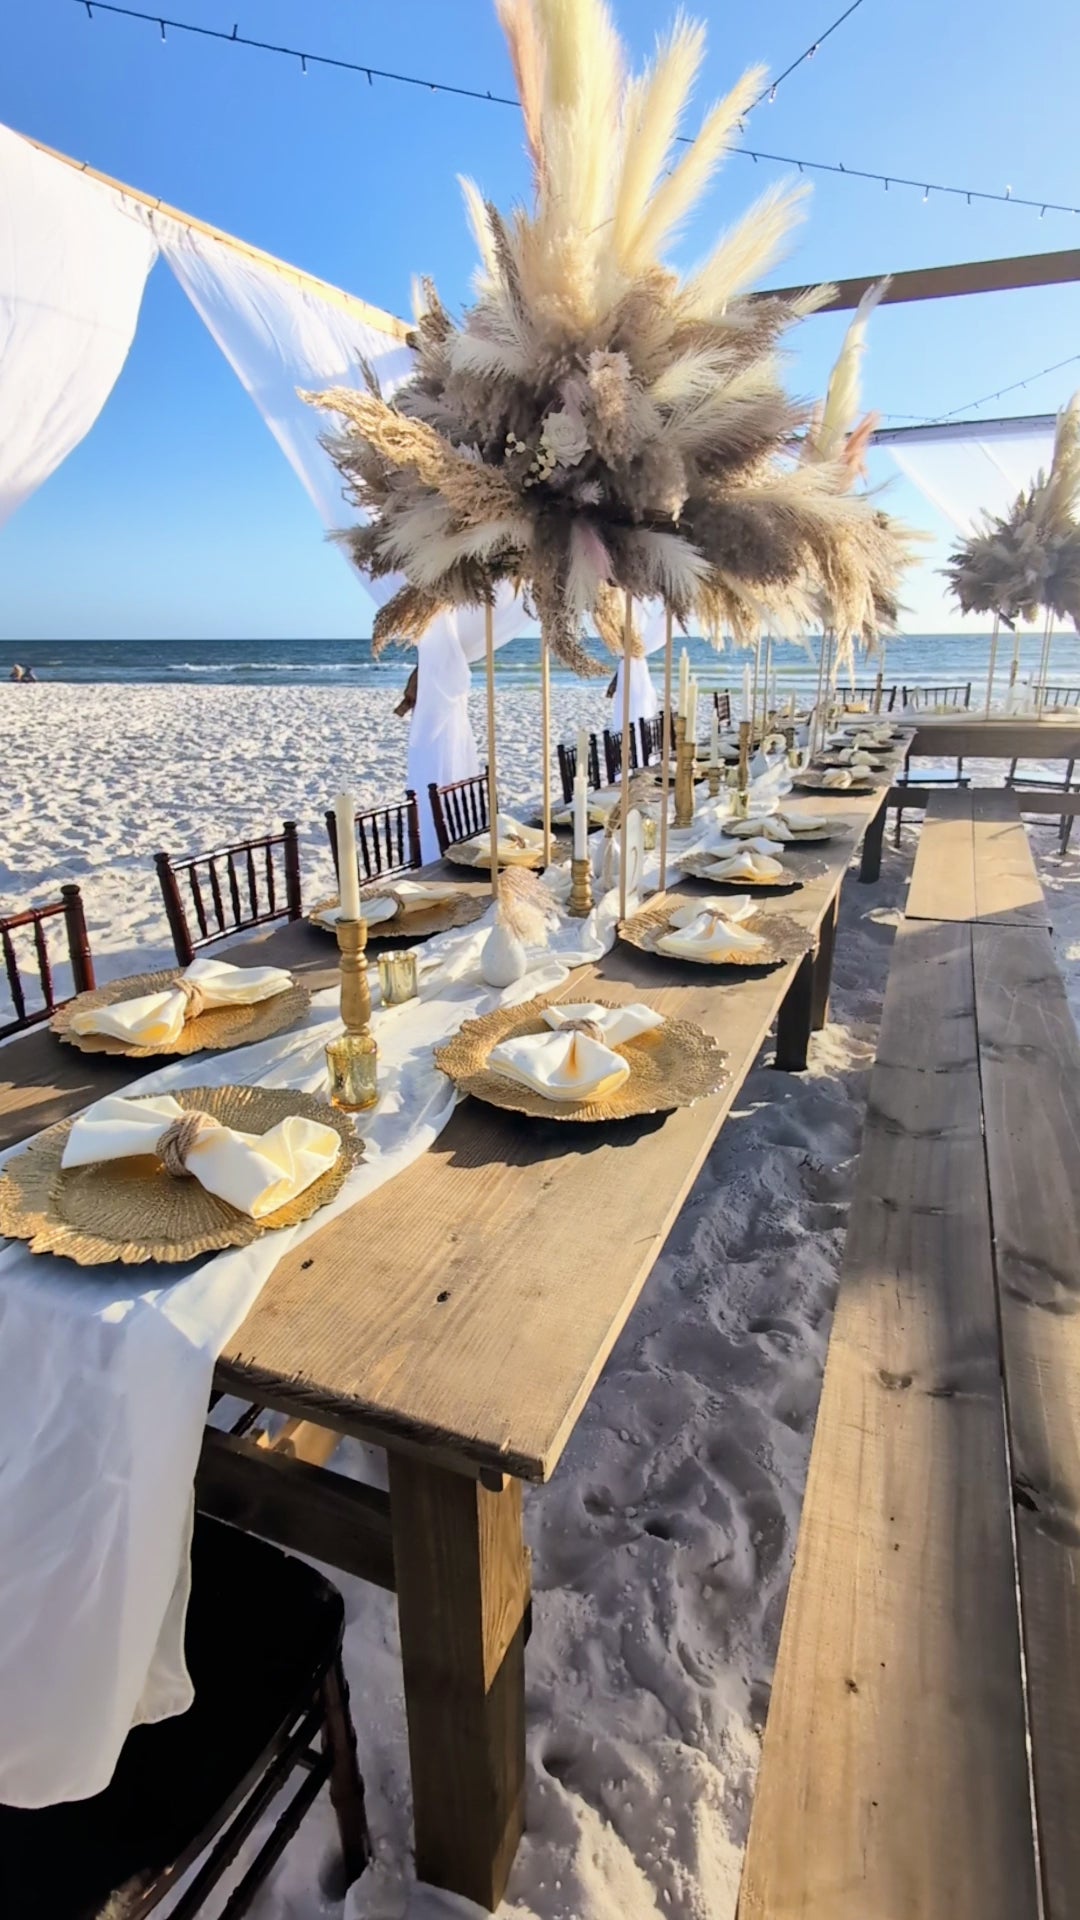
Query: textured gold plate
x,y
787,940
672,1066
416,923
211,1032
130,1211
813,783
697,865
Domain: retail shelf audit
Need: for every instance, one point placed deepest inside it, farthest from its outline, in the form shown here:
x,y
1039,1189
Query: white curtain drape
x,y
73,265
967,471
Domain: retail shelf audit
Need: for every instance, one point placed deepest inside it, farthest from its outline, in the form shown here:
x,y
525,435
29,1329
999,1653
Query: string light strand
x,y
939,419
304,60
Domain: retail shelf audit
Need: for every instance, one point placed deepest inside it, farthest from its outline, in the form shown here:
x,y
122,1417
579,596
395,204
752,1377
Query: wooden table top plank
x,y
943,882
1030,1062
893,1783
472,1302
948,737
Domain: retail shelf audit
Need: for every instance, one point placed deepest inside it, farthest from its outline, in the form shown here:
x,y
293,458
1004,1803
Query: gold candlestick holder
x,y
581,899
352,1059
685,751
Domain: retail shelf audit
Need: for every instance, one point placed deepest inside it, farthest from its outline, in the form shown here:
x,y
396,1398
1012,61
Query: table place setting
x,y
749,863
405,909
516,845
831,779
704,933
591,1061
781,827
207,1006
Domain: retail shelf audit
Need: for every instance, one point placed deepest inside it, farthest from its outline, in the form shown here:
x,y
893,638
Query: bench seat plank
x,y
893,1783
1030,1062
943,883
974,862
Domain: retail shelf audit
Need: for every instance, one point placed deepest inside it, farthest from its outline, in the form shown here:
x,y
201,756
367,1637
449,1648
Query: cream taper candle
x,y
582,752
747,694
348,862
684,681
714,738
581,817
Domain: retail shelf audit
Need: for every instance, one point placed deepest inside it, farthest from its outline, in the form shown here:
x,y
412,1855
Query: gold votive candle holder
x,y
397,976
352,1062
649,832
581,898
714,782
740,804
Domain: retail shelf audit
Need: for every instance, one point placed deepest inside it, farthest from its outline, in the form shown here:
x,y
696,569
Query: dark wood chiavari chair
x,y
652,739
231,889
1057,698
929,698
866,696
722,707
459,809
613,754
271,1700
24,944
567,757
387,839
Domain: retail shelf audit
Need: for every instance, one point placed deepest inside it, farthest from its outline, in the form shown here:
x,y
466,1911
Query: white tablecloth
x,y
106,1378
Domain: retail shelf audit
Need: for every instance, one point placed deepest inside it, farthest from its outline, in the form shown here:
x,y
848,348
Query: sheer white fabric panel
x,y
73,265
965,477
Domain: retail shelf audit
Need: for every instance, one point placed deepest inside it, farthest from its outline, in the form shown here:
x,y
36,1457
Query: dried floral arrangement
x,y
1015,564
595,425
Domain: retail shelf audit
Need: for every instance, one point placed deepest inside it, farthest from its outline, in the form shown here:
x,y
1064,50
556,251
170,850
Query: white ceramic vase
x,y
503,958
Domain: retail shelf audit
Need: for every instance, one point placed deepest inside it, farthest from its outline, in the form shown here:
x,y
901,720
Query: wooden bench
x,y
941,1526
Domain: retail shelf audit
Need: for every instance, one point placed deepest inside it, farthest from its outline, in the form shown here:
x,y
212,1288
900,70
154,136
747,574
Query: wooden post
x,y
665,776
993,662
765,696
493,785
815,719
1015,667
82,965
628,635
545,739
1044,664
462,1579
793,1022
878,688
753,696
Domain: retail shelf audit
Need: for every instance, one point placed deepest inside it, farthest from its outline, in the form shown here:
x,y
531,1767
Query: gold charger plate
x,y
813,783
416,923
880,764
787,940
218,1029
697,864
670,1067
816,838
133,1211
460,854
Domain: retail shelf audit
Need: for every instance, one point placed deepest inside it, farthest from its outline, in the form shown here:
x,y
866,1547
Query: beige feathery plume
x,y
842,397
745,251
526,906
406,617
676,195
652,109
518,22
476,209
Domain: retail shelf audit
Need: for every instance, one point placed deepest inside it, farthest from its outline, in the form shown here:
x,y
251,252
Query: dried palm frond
x,y
593,425
842,397
1016,563
526,907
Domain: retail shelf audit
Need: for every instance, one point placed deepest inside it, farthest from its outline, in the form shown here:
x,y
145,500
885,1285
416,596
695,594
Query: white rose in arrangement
x,y
564,436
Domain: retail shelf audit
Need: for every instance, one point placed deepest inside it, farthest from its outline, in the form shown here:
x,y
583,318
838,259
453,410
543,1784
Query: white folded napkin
x,y
157,1019
710,937
512,838
855,757
376,907
736,907
560,1065
835,777
617,1024
751,862
797,823
254,1172
412,894
766,826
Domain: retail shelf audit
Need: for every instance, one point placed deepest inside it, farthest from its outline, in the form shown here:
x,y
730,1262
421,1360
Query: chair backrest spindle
x,y
242,883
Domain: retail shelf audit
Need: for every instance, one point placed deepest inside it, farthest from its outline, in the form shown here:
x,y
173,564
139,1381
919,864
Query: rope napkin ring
x,y
589,1027
178,1139
193,997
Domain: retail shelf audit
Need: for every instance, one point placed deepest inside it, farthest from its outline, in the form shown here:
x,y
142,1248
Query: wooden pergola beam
x,y
946,283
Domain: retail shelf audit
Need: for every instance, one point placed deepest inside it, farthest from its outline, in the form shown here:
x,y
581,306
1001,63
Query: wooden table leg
x,y
870,864
823,959
462,1576
793,1020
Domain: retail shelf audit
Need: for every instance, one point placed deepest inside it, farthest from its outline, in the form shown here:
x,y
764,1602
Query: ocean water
x,y
917,659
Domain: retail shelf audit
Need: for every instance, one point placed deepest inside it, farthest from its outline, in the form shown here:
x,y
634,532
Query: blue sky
x,y
178,516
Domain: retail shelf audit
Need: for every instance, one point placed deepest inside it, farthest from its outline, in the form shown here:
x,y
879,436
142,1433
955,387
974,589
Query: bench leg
x,y
463,1589
793,1020
870,864
823,959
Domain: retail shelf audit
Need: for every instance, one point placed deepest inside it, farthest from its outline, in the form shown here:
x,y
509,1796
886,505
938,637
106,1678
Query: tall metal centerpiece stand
x,y
665,756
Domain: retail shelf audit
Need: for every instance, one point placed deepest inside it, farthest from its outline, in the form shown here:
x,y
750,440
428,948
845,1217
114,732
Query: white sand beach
x,y
663,1545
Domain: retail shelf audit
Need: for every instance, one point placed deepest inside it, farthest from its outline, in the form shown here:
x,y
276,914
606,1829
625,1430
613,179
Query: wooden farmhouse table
x,y
459,1317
